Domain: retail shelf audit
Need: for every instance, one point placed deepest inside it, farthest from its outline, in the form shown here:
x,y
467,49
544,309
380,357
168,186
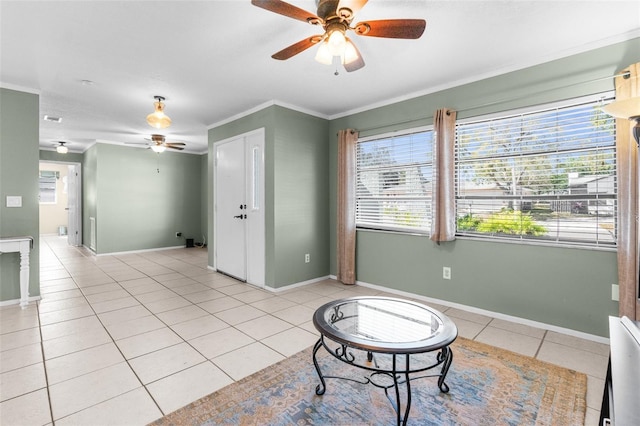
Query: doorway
x,y
238,206
60,200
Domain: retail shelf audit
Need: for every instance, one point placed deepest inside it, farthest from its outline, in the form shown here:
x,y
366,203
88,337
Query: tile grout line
x,y
144,386
112,341
544,336
44,365
206,360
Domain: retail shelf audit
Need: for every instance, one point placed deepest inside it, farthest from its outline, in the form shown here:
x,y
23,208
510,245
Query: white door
x,y
231,241
74,203
239,207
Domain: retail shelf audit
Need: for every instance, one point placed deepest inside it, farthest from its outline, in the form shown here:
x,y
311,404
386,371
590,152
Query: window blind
x,y
548,175
393,182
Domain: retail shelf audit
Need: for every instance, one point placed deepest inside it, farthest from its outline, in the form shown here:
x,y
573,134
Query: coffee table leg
x,y
322,387
445,354
408,407
401,416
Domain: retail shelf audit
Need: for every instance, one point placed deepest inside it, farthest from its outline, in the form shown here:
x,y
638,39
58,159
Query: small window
x,y
546,176
393,182
47,183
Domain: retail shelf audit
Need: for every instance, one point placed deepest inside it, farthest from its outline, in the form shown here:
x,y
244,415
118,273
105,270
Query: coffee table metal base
x,y
399,373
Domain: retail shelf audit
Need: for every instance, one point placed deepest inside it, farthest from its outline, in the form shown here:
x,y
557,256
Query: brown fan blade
x,y
286,9
353,5
175,144
357,64
392,28
174,147
296,48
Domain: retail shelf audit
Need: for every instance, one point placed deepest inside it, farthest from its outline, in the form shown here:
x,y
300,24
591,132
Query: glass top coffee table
x,y
383,335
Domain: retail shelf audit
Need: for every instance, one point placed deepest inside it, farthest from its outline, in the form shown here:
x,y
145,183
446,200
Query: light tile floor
x,y
125,339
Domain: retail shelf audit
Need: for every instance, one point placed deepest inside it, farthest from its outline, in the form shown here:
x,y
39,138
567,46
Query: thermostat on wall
x,y
14,201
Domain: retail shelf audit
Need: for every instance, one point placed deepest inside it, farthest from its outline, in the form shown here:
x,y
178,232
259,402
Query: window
x,y
47,184
544,176
393,182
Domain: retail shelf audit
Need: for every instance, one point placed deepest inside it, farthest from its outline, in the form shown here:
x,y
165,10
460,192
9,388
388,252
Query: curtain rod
x,y
625,74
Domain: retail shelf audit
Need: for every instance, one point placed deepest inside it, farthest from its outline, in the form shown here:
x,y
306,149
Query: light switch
x,y
14,201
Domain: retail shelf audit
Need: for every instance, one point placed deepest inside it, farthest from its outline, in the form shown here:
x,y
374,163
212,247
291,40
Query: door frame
x,y
255,237
78,212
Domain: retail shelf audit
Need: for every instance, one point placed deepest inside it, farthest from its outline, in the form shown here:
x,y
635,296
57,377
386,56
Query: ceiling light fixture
x,y
628,109
62,149
158,148
158,118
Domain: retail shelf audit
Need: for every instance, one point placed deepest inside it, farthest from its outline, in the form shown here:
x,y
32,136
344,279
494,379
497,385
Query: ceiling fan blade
x,y
286,9
357,64
175,147
296,48
353,5
392,28
171,144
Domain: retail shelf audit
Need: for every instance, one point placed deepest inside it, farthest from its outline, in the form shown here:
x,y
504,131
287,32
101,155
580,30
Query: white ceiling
x,y
212,59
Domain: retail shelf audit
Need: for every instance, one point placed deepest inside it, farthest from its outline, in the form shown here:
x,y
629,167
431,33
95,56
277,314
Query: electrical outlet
x,y
446,272
178,234
615,292
307,258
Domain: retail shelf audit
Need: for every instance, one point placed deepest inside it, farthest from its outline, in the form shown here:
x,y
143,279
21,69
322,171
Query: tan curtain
x,y
346,221
627,155
443,214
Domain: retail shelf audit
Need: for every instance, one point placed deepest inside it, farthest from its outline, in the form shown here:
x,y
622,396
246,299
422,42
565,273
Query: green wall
x,y
204,205
301,222
19,134
566,287
296,191
142,198
70,157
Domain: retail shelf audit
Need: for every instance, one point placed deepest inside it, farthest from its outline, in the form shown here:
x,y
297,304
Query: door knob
x,y
238,217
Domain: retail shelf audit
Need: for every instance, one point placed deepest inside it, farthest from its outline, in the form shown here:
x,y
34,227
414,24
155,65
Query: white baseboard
x,y
295,285
117,253
17,301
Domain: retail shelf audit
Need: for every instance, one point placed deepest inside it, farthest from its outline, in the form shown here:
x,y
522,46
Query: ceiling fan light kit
x,y
335,17
158,118
336,46
627,107
158,143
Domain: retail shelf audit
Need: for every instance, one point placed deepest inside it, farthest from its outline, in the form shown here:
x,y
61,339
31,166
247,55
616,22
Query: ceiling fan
x,y
159,144
335,16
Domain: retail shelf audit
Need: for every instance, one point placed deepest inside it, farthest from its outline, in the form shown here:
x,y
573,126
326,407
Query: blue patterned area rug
x,y
488,386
